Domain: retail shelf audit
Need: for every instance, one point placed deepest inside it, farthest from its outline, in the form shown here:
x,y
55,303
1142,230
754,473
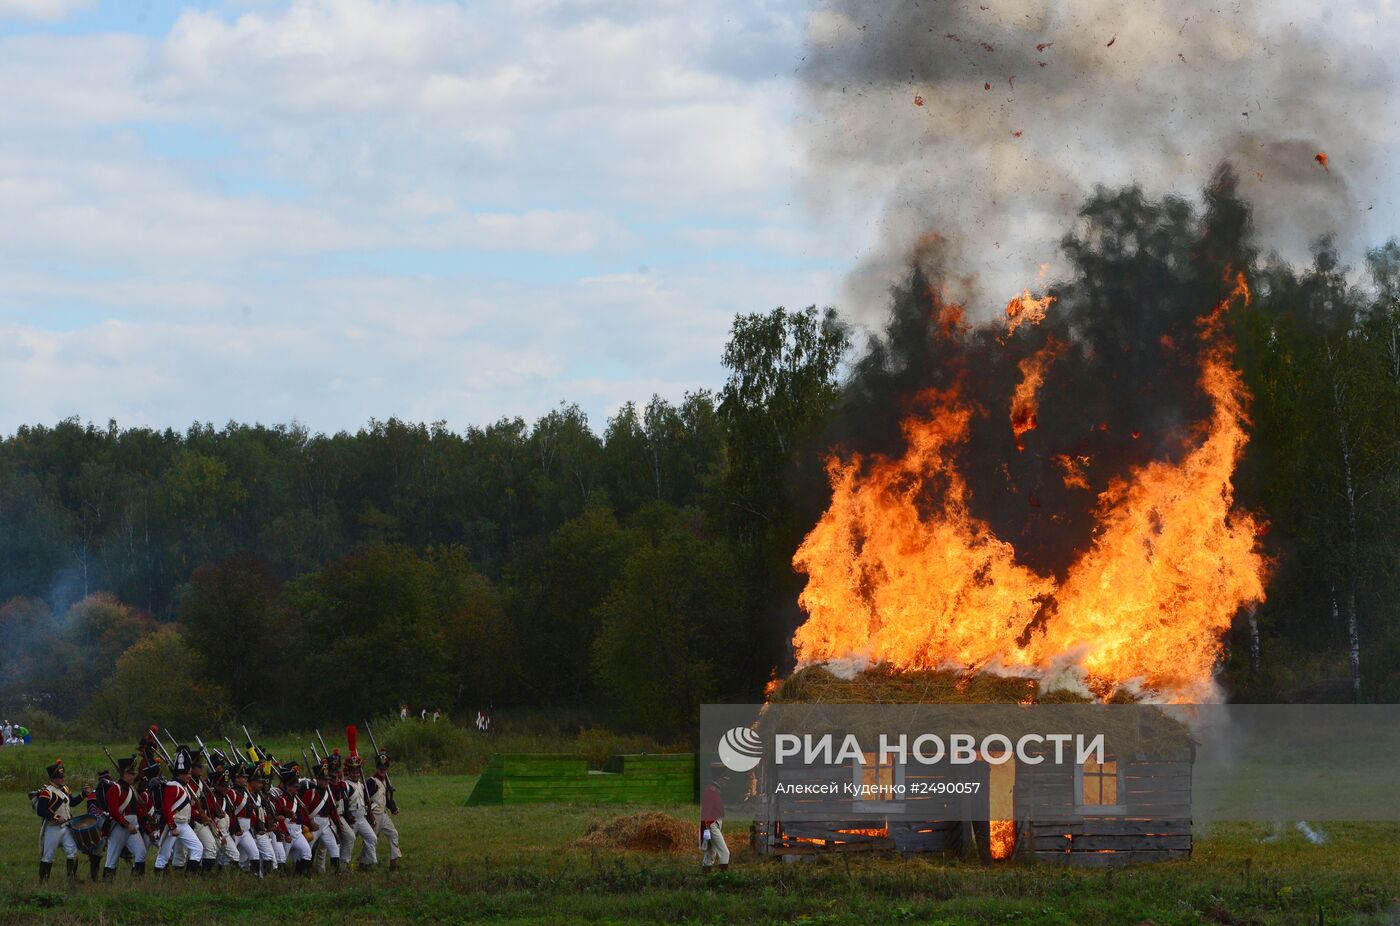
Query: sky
x,y
329,211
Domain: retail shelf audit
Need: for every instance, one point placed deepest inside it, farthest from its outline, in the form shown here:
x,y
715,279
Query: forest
x,y
639,567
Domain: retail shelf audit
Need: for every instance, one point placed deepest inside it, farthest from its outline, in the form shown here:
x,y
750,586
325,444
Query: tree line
x,y
642,567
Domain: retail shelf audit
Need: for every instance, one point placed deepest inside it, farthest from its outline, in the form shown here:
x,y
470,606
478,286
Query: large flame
x,y
900,572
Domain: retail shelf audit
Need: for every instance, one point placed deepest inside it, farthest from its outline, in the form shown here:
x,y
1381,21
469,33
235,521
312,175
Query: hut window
x,y
1099,785
877,780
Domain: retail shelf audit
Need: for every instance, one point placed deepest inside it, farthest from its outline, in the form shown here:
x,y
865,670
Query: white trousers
x,y
206,839
227,853
183,834
384,826
121,838
369,854
324,833
51,835
247,848
715,848
298,850
266,853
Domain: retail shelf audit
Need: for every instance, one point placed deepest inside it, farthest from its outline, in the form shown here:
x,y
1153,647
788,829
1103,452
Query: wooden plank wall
x,y
1156,825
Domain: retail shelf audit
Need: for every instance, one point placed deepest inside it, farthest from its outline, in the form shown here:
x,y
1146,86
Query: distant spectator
x,y
437,714
483,721
423,715
403,711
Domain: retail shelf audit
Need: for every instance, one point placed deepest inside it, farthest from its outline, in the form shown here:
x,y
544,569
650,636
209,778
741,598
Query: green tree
x,y
552,589
158,679
232,617
783,387
672,628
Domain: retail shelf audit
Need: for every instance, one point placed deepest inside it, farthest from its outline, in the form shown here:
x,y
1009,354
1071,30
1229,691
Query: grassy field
x,y
520,865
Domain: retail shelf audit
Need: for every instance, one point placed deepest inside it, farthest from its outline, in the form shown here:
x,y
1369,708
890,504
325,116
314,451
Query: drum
x,y
87,832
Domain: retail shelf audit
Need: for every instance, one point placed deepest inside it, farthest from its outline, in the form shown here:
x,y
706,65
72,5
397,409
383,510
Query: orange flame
x,y
1025,402
1026,308
1003,838
901,575
1073,468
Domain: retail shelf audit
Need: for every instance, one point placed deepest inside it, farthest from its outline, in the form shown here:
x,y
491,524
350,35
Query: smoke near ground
x,y
988,122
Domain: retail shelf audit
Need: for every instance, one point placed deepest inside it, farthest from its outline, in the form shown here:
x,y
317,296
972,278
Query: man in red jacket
x,y
124,815
176,808
711,820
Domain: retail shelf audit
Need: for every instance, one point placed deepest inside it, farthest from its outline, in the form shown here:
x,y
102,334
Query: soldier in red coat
x,y
123,807
711,823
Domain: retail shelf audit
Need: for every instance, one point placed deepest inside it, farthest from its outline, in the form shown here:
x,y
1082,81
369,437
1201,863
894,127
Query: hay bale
x,y
642,832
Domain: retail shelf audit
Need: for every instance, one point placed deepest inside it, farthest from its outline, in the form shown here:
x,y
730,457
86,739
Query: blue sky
x,y
332,210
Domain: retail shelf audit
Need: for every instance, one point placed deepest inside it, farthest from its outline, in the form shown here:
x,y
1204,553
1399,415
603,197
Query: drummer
x,y
123,810
54,804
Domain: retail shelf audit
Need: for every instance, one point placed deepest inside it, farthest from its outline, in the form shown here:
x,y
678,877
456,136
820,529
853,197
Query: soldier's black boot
x,y
109,874
138,870
72,865
304,868
193,868
366,866
393,864
335,866
92,867
159,872
44,869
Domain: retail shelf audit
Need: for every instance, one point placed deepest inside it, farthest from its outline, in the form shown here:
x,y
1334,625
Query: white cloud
x,y
44,10
206,224
466,349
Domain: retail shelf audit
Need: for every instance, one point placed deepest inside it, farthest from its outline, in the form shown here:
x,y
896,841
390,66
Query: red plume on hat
x,y
351,738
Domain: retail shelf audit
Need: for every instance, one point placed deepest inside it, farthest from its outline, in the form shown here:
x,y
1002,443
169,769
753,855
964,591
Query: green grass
x,y
517,864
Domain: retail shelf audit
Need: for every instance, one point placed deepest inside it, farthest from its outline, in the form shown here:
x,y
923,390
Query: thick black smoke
x,y
1123,388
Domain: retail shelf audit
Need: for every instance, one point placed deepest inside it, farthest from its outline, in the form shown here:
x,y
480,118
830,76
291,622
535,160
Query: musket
x,y
161,746
323,744
232,753
315,753
304,763
172,739
110,759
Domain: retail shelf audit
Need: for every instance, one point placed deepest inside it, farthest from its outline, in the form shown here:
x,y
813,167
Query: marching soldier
x,y
294,821
241,820
176,810
358,819
124,825
199,816
263,822
381,807
217,807
54,804
319,805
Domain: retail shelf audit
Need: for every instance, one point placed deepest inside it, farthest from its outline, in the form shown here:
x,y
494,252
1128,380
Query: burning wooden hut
x,y
1133,806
